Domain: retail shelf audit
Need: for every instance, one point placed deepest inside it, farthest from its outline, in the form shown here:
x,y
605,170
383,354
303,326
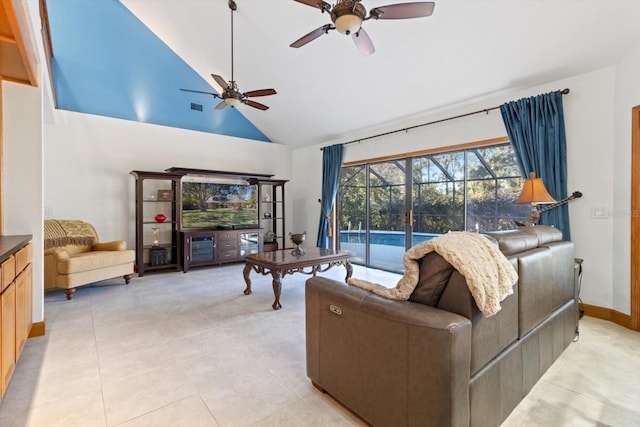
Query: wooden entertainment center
x,y
207,247
163,243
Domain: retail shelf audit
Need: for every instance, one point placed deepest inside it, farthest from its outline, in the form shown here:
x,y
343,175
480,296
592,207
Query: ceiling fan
x,y
231,95
348,15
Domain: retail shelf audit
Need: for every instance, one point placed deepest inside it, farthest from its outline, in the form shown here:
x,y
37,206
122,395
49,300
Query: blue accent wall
x,y
107,62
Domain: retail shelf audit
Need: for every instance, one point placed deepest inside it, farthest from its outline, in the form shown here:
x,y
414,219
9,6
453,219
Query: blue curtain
x,y
535,127
331,164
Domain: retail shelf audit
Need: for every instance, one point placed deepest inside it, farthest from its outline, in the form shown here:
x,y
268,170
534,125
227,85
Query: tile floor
x,y
174,349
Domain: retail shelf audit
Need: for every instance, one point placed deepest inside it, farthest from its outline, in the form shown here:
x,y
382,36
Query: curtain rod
x,y
486,110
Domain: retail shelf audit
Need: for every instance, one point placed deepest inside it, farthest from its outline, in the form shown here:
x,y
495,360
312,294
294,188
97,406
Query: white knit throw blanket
x,y
488,273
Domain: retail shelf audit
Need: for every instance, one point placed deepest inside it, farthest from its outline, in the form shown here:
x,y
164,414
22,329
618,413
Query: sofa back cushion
x,y
435,272
512,242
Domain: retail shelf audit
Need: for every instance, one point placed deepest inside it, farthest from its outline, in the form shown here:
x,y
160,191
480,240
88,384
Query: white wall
x,y
627,95
22,174
589,127
88,160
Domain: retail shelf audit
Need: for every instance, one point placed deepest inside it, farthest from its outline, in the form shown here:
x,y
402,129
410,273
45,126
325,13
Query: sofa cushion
x,y
544,233
435,272
514,241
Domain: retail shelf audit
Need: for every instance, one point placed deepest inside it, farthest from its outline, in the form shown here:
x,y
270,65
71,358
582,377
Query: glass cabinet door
x,y
271,212
249,243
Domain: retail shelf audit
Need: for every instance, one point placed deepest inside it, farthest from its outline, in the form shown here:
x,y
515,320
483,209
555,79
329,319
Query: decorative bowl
x,y
298,239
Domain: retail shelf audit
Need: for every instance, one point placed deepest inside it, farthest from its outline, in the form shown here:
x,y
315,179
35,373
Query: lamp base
x,y
535,215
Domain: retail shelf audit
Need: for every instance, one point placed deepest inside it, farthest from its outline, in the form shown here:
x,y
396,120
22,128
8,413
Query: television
x,y
214,203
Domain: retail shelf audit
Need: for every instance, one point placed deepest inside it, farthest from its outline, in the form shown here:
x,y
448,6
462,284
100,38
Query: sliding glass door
x,y
385,208
438,195
352,208
387,233
372,214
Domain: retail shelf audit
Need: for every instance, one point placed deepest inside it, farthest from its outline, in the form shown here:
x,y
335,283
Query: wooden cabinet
x,y
23,308
158,245
15,303
8,271
208,247
271,211
227,245
191,247
8,330
199,248
24,296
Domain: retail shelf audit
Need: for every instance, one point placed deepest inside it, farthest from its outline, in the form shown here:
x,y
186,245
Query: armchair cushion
x,y
93,260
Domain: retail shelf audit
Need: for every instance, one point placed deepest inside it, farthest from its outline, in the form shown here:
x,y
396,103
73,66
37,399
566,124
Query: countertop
x,y
10,244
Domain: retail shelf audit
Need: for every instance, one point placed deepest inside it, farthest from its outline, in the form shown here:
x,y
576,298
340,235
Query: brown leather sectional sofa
x,y
402,363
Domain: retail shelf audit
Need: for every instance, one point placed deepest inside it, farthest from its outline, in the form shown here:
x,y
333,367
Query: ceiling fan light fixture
x,y
347,16
348,24
232,102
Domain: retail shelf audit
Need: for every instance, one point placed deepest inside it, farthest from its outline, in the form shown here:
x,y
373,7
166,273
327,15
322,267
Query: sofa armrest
x,y
116,245
411,361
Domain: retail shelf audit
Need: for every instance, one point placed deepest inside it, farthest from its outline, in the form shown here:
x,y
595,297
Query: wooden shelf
x,y
273,189
148,183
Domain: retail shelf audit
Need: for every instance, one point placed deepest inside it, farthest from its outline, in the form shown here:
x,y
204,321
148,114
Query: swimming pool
x,y
388,238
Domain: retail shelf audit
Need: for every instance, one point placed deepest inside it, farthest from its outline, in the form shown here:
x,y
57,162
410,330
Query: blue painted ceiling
x,y
107,62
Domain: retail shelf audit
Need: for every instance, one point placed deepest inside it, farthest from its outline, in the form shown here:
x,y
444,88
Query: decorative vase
x,y
160,217
269,236
297,239
156,236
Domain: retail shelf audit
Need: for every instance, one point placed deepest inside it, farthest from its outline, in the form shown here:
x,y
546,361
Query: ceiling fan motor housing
x,y
348,16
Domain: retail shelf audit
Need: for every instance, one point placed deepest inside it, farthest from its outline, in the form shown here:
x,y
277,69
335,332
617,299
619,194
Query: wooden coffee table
x,y
283,262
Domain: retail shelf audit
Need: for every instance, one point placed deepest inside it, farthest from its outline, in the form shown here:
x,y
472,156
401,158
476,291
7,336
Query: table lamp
x,y
534,192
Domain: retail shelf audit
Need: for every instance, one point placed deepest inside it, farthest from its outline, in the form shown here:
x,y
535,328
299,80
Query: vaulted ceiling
x,y
326,90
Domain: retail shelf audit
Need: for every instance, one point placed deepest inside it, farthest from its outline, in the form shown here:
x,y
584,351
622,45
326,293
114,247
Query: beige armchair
x,y
74,257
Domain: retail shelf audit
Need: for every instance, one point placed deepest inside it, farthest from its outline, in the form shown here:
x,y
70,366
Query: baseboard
x,y
607,314
37,329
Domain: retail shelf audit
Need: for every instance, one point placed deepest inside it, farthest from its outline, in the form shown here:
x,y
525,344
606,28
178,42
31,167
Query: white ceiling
x,y
326,89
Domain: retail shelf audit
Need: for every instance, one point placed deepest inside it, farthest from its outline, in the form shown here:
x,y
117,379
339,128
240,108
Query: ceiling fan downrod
x,y
233,6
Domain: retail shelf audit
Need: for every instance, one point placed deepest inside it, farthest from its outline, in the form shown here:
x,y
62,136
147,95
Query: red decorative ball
x,y
160,217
